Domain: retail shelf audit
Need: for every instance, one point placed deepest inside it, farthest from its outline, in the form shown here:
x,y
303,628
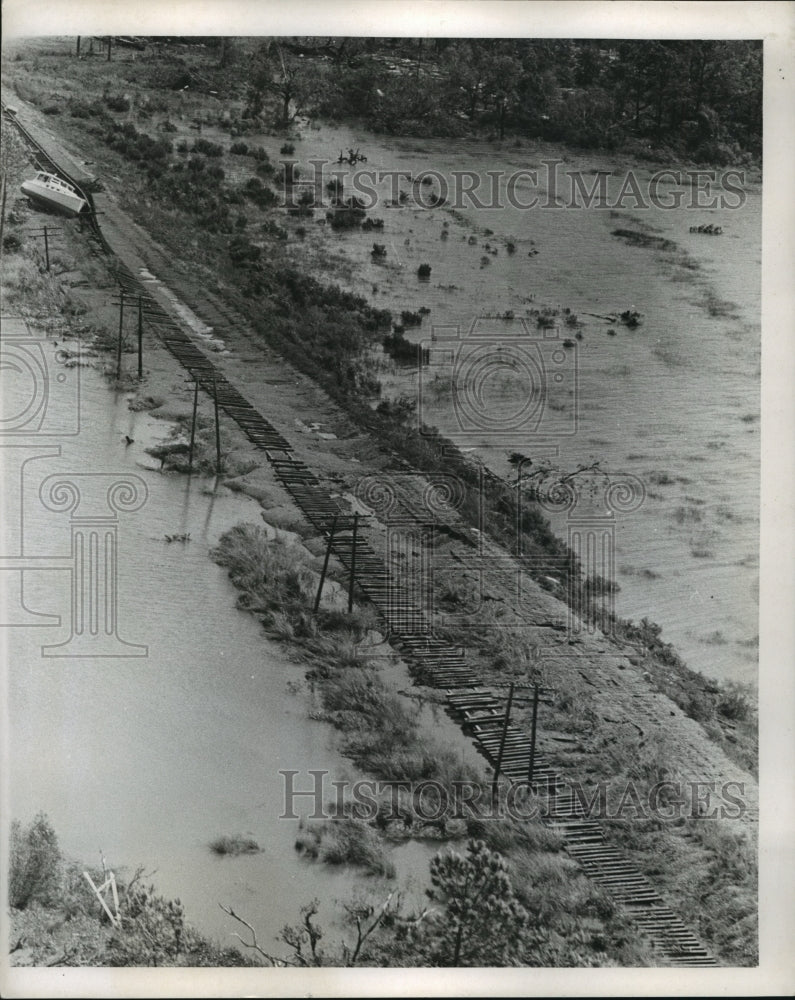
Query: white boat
x,y
52,192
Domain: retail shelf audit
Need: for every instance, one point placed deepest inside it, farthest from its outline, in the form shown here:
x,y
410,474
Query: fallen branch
x,y
276,962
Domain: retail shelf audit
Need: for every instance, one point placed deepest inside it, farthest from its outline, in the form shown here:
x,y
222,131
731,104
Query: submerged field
x,y
674,401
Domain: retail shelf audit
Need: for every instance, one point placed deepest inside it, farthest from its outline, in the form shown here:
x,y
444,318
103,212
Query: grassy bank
x,y
380,733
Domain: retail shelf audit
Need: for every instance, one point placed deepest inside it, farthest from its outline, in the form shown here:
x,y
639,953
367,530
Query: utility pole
x,y
121,327
353,562
531,766
217,430
2,215
505,724
140,339
193,426
325,563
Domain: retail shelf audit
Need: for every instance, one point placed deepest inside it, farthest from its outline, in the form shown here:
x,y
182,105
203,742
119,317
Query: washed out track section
x,y
434,662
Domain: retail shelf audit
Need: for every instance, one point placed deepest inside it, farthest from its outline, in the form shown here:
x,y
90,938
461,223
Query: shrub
x,y
397,347
274,230
154,930
243,252
35,863
349,213
136,146
273,575
79,109
239,149
12,243
305,205
117,102
287,149
262,196
208,148
424,271
734,703
335,188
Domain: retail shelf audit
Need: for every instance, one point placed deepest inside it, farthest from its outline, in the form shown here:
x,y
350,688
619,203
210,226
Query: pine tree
x,y
482,923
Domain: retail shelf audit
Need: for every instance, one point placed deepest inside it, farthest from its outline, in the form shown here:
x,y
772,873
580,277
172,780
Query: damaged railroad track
x,y
434,662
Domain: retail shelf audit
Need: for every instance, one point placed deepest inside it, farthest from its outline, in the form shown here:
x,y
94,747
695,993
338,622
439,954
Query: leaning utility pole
x,y
505,723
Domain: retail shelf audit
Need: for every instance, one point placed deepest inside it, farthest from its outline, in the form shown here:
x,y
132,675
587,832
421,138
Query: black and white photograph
x,y
397,466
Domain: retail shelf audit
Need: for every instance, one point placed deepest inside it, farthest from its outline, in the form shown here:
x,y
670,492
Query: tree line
x,y
702,98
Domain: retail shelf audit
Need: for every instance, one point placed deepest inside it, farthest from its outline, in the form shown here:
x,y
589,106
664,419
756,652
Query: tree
x,y
276,72
35,863
502,82
464,66
227,52
483,923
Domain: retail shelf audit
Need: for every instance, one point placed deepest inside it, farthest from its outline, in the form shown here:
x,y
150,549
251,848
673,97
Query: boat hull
x,y
57,201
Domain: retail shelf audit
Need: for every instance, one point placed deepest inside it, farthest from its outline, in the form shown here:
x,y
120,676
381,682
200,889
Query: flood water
x,y
149,758
674,402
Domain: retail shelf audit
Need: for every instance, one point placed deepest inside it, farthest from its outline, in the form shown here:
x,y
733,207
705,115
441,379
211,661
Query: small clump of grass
x,y
234,845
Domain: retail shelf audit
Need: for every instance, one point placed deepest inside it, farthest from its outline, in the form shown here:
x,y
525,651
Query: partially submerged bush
x,y
348,213
347,842
273,574
234,845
